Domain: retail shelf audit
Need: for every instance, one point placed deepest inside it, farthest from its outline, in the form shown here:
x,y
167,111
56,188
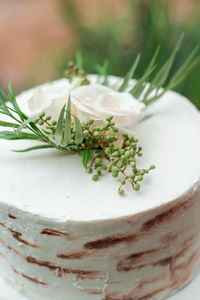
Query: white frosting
x,y
54,184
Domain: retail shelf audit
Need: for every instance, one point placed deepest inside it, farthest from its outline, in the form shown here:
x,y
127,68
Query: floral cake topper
x,y
93,118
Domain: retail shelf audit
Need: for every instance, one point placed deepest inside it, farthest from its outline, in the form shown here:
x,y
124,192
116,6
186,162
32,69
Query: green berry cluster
x,y
74,71
103,151
121,161
49,125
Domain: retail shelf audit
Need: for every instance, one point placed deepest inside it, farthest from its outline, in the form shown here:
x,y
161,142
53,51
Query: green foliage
x,y
96,144
140,26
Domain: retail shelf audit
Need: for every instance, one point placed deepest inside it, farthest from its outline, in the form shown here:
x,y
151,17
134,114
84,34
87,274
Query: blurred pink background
x,y
34,33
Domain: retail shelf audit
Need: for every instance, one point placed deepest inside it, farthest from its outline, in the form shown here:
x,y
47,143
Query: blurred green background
x,y
43,35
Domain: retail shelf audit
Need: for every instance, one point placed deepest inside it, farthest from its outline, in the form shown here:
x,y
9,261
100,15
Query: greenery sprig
x,y
154,82
97,144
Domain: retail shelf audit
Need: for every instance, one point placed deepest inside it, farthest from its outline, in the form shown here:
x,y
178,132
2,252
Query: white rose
x,y
99,102
93,101
49,99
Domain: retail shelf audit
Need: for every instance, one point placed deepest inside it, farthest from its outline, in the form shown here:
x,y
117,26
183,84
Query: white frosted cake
x,y
63,236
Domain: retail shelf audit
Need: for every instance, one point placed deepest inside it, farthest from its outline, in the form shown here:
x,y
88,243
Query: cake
x,y
63,236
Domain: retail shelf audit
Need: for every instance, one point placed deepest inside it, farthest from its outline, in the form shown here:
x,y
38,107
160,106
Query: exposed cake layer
x,y
143,257
64,237
191,291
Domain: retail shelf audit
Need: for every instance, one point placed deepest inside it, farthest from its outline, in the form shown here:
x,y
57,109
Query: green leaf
x,y
67,131
85,157
103,71
185,66
24,124
141,83
34,148
162,75
79,60
11,135
8,124
182,77
59,128
13,101
78,131
2,103
130,74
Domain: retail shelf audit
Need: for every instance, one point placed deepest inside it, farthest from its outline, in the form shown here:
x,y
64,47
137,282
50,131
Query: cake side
x,y
146,256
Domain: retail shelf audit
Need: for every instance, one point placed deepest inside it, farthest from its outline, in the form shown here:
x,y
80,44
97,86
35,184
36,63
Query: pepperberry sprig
x,y
106,155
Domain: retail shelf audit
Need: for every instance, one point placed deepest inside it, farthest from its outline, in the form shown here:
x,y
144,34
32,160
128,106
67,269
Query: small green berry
x,y
152,167
133,164
41,115
109,118
104,167
123,158
115,154
132,176
123,181
115,129
141,172
127,154
120,164
122,151
140,154
85,132
88,169
48,118
139,178
98,160
125,135
121,192
114,174
107,151
41,122
137,187
127,143
36,121
115,169
96,133
132,159
95,177
98,170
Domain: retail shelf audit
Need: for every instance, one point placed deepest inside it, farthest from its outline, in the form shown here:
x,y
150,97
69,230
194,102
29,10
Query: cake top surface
x,y
55,185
